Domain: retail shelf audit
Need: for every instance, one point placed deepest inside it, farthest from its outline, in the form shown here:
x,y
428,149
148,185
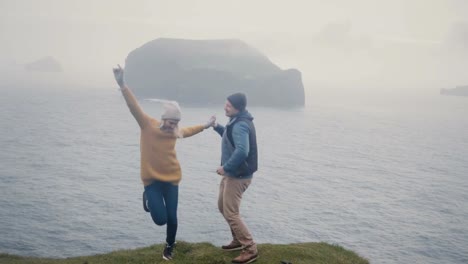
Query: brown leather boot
x,y
234,245
248,255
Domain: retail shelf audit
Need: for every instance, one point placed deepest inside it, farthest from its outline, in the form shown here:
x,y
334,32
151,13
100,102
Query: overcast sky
x,y
333,41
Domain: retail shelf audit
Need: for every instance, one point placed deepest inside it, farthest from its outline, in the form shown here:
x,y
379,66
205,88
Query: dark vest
x,y
250,165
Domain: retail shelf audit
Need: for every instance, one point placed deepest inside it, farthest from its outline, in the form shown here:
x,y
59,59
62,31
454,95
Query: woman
x,y
160,169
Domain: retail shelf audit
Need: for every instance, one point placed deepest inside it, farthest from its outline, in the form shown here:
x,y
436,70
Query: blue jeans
x,y
163,198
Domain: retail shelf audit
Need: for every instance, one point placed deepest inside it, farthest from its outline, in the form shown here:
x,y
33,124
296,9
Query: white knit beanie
x,y
171,110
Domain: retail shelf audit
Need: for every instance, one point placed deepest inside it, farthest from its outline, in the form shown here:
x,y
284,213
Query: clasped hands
x,y
211,122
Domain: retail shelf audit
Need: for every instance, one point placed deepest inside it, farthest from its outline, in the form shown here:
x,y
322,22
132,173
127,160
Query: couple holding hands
x,y
161,172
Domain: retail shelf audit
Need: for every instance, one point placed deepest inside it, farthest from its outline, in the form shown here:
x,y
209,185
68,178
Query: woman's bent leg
x,y
154,193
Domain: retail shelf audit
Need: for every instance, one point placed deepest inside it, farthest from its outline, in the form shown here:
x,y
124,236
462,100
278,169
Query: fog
x,y
338,45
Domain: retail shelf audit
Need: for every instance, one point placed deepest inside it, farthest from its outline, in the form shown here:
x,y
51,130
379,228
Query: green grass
x,y
194,253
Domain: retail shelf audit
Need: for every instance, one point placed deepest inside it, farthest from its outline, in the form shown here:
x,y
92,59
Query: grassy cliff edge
x,y
194,253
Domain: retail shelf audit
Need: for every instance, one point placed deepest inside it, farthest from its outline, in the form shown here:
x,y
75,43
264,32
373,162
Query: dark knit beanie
x,y
238,100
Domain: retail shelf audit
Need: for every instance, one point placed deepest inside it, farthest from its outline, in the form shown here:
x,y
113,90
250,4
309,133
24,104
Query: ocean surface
x,y
385,177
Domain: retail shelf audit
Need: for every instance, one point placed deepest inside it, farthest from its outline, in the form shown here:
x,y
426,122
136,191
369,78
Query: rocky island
x,y
204,72
458,91
45,64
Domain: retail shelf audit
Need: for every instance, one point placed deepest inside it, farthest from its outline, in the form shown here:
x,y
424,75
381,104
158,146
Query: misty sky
x,y
337,42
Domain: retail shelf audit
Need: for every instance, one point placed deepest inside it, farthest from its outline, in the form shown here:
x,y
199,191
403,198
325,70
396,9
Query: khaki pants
x,y
229,200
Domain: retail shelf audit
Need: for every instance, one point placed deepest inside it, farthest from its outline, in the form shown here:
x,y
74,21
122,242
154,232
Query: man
x,y
160,169
238,163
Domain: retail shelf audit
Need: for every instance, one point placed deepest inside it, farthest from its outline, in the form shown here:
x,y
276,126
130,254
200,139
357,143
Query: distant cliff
x,y
205,72
459,91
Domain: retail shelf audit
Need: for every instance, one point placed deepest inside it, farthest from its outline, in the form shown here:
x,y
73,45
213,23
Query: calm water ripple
x,y
386,179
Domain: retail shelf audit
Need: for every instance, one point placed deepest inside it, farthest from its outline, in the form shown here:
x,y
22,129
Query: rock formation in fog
x,y
459,91
205,72
46,64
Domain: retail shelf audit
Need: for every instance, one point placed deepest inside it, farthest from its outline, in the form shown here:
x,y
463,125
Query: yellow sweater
x,y
157,148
